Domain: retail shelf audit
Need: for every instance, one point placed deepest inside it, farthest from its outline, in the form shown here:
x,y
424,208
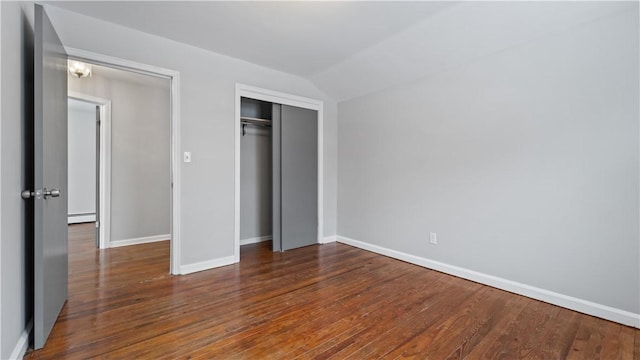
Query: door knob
x,y
51,193
28,194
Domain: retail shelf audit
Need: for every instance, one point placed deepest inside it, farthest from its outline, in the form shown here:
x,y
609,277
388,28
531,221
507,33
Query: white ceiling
x,y
349,49
297,37
456,36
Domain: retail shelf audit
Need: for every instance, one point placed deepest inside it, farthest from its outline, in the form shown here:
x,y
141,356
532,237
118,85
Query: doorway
x,y
173,176
296,136
137,196
89,154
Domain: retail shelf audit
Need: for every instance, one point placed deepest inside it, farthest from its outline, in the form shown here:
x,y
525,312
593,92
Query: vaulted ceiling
x,y
349,49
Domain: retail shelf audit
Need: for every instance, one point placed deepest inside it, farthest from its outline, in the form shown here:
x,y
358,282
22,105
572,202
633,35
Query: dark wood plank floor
x,y
318,302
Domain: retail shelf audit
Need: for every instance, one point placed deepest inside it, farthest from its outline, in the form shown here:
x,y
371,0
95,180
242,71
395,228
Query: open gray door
x,y
298,177
50,195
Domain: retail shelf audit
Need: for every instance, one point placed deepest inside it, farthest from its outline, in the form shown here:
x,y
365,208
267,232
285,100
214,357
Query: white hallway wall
x,y
81,148
207,130
524,161
140,149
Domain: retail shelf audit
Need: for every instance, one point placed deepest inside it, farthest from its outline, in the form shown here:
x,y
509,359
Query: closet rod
x,y
255,121
248,121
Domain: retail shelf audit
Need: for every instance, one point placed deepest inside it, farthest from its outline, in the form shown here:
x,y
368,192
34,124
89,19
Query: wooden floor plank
x,y
601,339
318,302
354,331
457,334
555,341
499,329
636,348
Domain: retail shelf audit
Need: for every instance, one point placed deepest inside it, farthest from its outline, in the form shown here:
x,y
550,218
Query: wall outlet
x,y
187,156
433,238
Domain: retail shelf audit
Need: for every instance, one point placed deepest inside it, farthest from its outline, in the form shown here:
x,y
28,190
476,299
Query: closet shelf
x,y
255,121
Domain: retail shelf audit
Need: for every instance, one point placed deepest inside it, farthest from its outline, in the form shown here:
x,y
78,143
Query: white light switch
x,y
187,156
433,238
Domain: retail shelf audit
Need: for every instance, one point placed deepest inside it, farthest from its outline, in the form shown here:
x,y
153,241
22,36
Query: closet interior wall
x,y
256,173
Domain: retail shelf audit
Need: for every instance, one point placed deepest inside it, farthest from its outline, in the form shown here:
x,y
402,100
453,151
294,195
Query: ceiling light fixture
x,y
79,69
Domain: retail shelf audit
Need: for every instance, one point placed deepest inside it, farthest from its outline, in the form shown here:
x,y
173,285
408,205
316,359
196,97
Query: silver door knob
x,y
51,193
27,194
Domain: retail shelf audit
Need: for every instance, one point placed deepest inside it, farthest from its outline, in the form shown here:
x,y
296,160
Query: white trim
x,y
1,241
329,239
123,64
206,265
71,219
140,240
23,343
104,235
174,76
255,240
569,302
236,177
176,237
278,97
285,99
321,172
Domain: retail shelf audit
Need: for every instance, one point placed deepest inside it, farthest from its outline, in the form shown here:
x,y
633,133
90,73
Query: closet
x,y
278,174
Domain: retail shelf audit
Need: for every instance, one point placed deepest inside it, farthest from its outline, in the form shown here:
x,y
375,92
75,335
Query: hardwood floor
x,y
318,302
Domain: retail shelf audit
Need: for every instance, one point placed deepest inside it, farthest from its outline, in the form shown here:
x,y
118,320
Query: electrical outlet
x,y
187,156
433,238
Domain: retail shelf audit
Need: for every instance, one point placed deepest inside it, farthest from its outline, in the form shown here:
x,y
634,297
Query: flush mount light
x,y
79,69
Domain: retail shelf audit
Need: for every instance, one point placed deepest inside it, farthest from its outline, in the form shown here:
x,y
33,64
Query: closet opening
x,y
256,201
278,169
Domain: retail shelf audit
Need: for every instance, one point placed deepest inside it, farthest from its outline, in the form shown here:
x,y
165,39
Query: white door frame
x,y
285,99
174,77
104,179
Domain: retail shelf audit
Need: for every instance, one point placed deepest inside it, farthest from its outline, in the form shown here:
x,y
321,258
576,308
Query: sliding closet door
x,y
298,177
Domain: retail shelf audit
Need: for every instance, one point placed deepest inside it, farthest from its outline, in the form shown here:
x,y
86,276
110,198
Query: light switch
x,y
187,156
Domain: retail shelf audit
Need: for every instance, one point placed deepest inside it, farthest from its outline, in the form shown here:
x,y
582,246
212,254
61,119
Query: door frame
x,y
174,78
277,97
104,166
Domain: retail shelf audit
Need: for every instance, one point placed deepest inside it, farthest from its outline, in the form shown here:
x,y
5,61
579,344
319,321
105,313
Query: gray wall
x,y
16,98
255,183
207,107
81,148
140,149
524,161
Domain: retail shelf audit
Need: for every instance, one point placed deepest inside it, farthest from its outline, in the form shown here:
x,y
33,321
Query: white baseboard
x,y
81,219
325,240
207,265
329,239
141,240
23,343
569,302
255,240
